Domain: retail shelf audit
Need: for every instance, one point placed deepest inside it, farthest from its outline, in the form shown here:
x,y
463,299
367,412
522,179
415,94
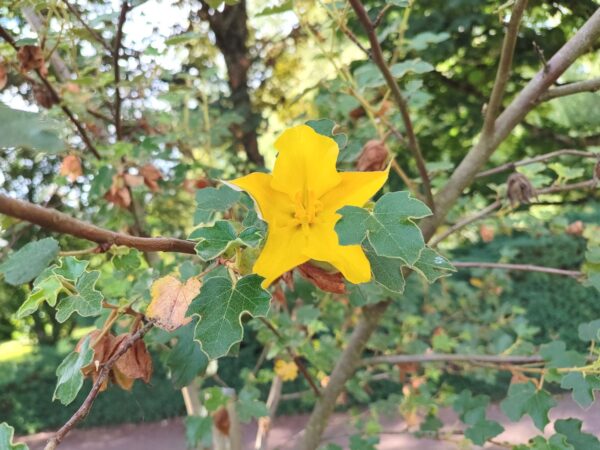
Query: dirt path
x,y
169,434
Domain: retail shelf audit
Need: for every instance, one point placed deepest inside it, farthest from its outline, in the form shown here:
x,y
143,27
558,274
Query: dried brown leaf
x,y
136,362
170,301
31,57
374,156
327,281
71,167
222,421
151,175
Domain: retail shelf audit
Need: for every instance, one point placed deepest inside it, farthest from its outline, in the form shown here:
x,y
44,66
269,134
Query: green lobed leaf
x,y
389,227
211,200
583,387
217,238
386,271
432,265
186,360
6,438
29,261
557,355
556,442
45,289
483,430
588,332
70,268
326,127
221,305
127,261
248,406
571,428
70,377
524,398
86,301
198,431
369,76
30,130
471,409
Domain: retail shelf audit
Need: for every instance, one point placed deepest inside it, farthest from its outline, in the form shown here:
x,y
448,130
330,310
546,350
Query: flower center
x,y
306,209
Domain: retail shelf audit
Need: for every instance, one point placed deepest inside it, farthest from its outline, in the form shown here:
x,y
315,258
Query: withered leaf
x,y
151,175
71,167
374,156
136,363
327,281
170,301
118,192
221,420
31,57
519,189
103,350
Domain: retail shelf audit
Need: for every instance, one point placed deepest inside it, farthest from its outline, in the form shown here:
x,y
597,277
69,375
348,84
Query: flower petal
x,y
323,245
282,252
306,161
273,206
355,189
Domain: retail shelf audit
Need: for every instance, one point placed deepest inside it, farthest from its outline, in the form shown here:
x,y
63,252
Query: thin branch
x,y
95,34
466,221
117,70
592,85
442,357
381,15
519,267
56,98
54,220
505,65
85,407
294,356
379,60
264,423
589,184
535,159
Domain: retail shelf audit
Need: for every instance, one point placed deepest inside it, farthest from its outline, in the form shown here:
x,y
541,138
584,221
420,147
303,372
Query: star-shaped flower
x,y
299,201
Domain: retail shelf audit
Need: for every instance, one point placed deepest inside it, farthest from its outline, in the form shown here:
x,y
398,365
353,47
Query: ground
x,y
169,434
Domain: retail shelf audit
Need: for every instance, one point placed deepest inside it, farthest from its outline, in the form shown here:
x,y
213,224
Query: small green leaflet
x,y
571,428
198,431
6,438
524,398
70,378
248,406
583,387
29,130
186,361
221,305
556,442
216,239
386,271
29,261
70,268
211,200
389,227
432,265
369,76
87,301
325,127
483,430
557,355
589,331
45,289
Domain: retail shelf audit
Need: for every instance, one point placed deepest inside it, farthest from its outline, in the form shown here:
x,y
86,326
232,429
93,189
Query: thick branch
x,y
571,88
440,357
518,267
504,67
535,159
523,103
379,60
56,98
85,407
56,221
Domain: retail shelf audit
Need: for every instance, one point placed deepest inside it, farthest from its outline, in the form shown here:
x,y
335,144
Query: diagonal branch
x,y
85,407
117,70
56,98
54,220
504,67
95,34
571,88
379,60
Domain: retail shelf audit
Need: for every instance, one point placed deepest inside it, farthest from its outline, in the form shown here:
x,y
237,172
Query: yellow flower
x,y
299,201
287,371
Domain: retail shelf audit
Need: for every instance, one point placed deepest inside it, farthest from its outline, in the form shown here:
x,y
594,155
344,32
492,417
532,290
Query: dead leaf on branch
x,y
118,193
151,175
519,189
326,281
71,167
374,156
31,57
103,349
3,75
136,363
170,301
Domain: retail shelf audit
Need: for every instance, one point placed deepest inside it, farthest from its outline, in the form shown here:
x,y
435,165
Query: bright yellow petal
x,y
273,206
323,245
355,189
282,252
306,162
